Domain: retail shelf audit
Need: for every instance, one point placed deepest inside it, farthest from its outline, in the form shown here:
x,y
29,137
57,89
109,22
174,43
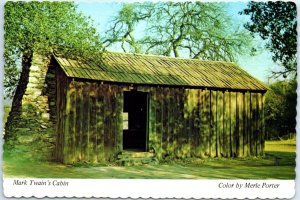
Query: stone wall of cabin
x,y
30,128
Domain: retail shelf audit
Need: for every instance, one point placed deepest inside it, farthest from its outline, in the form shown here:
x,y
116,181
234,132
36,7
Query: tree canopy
x,y
43,27
276,23
186,29
280,109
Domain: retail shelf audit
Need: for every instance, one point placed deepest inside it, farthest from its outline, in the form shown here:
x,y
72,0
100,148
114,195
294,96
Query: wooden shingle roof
x,y
159,70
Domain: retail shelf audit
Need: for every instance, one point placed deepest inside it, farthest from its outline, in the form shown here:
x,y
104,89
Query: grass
x,y
211,168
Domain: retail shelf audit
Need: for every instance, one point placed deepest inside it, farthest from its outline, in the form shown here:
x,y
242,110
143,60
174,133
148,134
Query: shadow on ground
x,y
278,163
260,168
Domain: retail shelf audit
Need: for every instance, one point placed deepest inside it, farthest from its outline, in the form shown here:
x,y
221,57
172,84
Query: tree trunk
x,y
175,51
21,87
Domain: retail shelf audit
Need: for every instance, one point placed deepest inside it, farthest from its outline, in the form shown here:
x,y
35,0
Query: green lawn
x,y
218,168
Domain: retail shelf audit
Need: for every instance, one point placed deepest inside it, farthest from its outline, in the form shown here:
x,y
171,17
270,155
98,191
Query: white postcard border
x,y
148,188
99,188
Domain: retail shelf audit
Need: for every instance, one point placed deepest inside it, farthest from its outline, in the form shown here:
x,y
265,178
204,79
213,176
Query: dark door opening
x,y
136,114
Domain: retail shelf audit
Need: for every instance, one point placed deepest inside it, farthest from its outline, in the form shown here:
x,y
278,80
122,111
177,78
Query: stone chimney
x,y
30,127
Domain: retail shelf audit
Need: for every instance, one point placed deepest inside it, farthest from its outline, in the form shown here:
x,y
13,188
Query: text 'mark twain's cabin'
x,y
168,106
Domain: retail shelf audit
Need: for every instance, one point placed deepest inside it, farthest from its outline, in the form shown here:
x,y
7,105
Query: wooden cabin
x,y
75,110
171,107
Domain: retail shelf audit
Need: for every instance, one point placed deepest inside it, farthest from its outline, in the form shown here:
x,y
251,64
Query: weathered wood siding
x,y
182,122
199,123
89,122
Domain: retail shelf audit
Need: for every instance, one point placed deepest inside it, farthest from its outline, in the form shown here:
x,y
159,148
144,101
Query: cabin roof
x,y
161,70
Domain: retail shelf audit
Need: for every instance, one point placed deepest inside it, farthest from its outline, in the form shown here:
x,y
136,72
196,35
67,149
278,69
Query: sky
x,y
260,66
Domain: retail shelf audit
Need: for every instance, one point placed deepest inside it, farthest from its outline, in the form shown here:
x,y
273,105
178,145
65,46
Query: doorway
x,y
135,118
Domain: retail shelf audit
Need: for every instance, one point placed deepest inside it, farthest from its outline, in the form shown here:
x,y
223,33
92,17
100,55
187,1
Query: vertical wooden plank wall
x,y
92,130
182,122
100,123
206,126
153,142
89,122
207,123
158,122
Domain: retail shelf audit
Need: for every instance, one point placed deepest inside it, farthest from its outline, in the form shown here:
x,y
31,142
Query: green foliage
x,y
193,29
6,113
43,27
280,109
276,22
